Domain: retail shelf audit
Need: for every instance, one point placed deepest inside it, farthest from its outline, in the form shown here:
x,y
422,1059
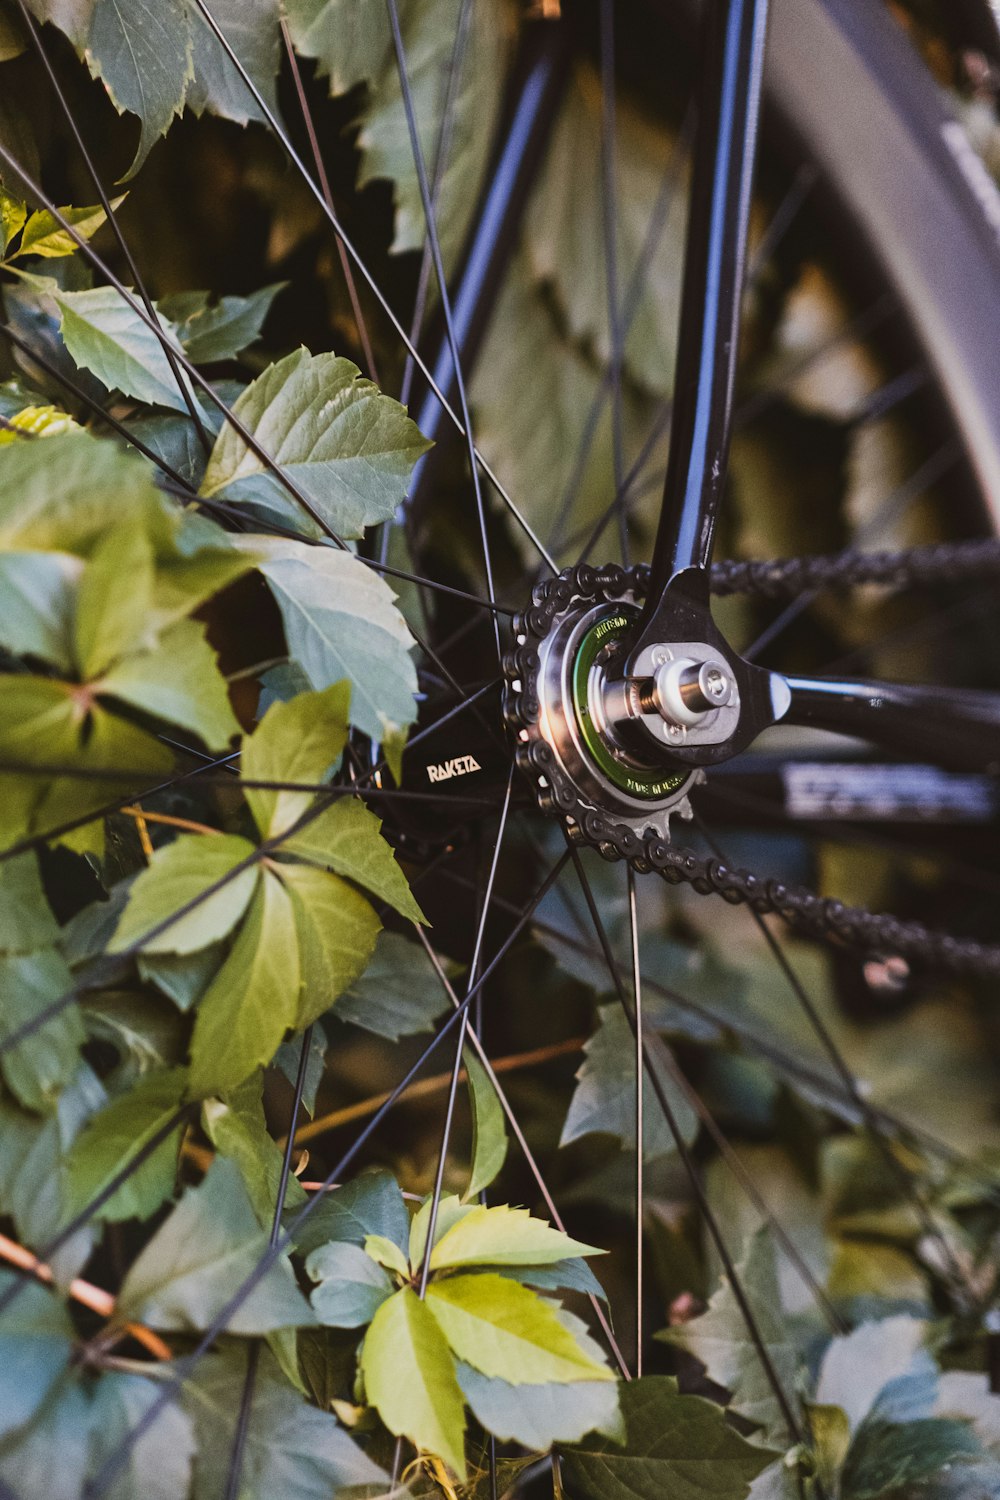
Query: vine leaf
x,y
350,449
32,1186
345,838
39,1066
106,336
397,995
537,1416
296,741
210,331
886,1458
36,1341
49,1456
410,1378
604,1098
291,1450
676,1445
251,28
719,1339
336,930
352,1286
323,595
353,45
43,234
502,1236
870,1369
191,1267
237,1128
489,1135
142,51
508,1332
160,1461
254,997
371,1204
114,1136
178,873
37,591
107,615
180,682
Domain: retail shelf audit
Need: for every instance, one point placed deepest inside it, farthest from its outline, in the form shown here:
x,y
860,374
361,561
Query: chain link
x,y
782,578
804,909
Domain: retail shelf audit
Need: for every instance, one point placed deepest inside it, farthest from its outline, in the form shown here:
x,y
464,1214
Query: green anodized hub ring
x,y
649,785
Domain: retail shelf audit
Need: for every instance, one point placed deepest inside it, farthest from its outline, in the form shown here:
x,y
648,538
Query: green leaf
x,y
71,16
179,682
348,40
64,494
350,449
237,1128
537,1416
251,28
885,1458
504,1236
183,977
37,594
336,930
200,1255
830,1432
209,330
106,336
345,838
410,1379
32,1186
348,48
398,994
721,1341
450,1210
178,873
296,741
142,51
352,1287
386,1252
49,1457
26,922
12,216
340,622
292,1451
115,1136
254,997
44,235
675,1445
858,1367
489,1134
371,1204
38,1067
36,1340
112,621
508,1332
604,1099
572,1275
159,1463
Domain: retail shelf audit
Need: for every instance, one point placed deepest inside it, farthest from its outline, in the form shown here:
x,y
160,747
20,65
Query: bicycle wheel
x,y
222,1328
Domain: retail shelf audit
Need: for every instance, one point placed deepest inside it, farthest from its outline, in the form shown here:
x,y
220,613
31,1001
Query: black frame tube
x,y
714,266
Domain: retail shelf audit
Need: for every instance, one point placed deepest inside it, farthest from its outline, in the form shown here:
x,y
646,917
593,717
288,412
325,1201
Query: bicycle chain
x,y
802,908
941,562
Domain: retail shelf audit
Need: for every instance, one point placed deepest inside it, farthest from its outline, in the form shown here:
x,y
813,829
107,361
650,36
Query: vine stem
x,y
433,1085
84,1292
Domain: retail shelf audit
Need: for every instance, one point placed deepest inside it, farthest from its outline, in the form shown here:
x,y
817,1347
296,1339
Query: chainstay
x,y
804,909
782,578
